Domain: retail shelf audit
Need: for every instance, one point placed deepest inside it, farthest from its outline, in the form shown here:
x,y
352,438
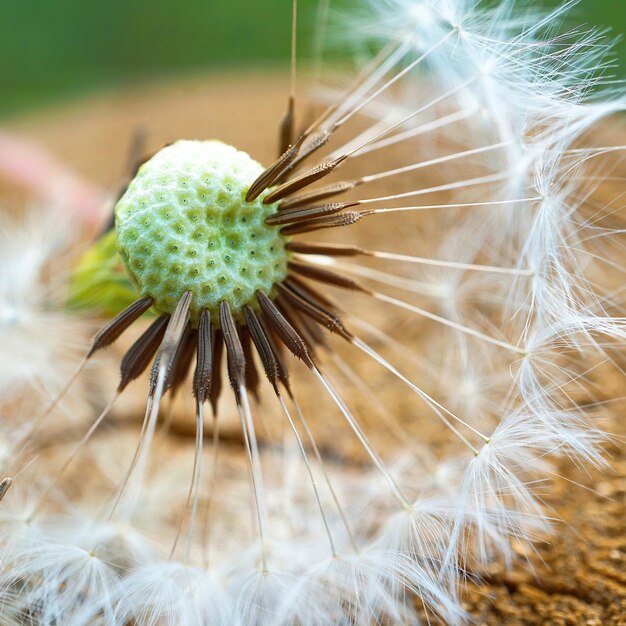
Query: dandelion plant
x,y
424,271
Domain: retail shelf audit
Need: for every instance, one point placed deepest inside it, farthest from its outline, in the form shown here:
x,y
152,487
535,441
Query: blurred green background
x,y
53,50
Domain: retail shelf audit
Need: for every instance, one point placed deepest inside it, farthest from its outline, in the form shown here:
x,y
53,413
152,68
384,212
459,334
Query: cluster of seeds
x,y
184,225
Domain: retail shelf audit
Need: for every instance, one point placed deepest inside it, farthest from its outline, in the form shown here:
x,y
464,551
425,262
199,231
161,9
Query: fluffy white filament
x,y
494,110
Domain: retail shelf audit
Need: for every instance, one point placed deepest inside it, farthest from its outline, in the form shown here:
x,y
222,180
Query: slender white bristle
x,y
484,302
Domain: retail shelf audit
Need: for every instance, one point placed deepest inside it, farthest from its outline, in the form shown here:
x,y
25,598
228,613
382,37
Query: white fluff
x,y
499,104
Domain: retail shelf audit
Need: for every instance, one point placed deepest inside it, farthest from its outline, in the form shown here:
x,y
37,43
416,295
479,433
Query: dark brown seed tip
x,y
107,335
331,221
310,306
302,180
283,329
291,216
173,334
272,173
236,358
313,143
325,249
324,275
204,358
263,346
309,197
215,388
183,360
253,380
286,127
139,355
5,484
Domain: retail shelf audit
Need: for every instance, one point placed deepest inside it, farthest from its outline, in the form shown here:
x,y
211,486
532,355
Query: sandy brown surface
x,y
578,576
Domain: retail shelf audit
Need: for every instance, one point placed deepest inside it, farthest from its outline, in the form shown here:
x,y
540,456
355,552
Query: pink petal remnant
x,y
25,163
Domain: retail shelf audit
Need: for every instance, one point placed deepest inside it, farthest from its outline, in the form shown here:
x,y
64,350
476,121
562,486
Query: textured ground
x,y
579,575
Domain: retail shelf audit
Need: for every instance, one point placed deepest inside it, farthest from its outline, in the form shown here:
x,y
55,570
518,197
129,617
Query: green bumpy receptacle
x,y
183,225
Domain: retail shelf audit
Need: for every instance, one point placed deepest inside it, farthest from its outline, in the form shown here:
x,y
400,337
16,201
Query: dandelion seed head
x,y
183,225
383,425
